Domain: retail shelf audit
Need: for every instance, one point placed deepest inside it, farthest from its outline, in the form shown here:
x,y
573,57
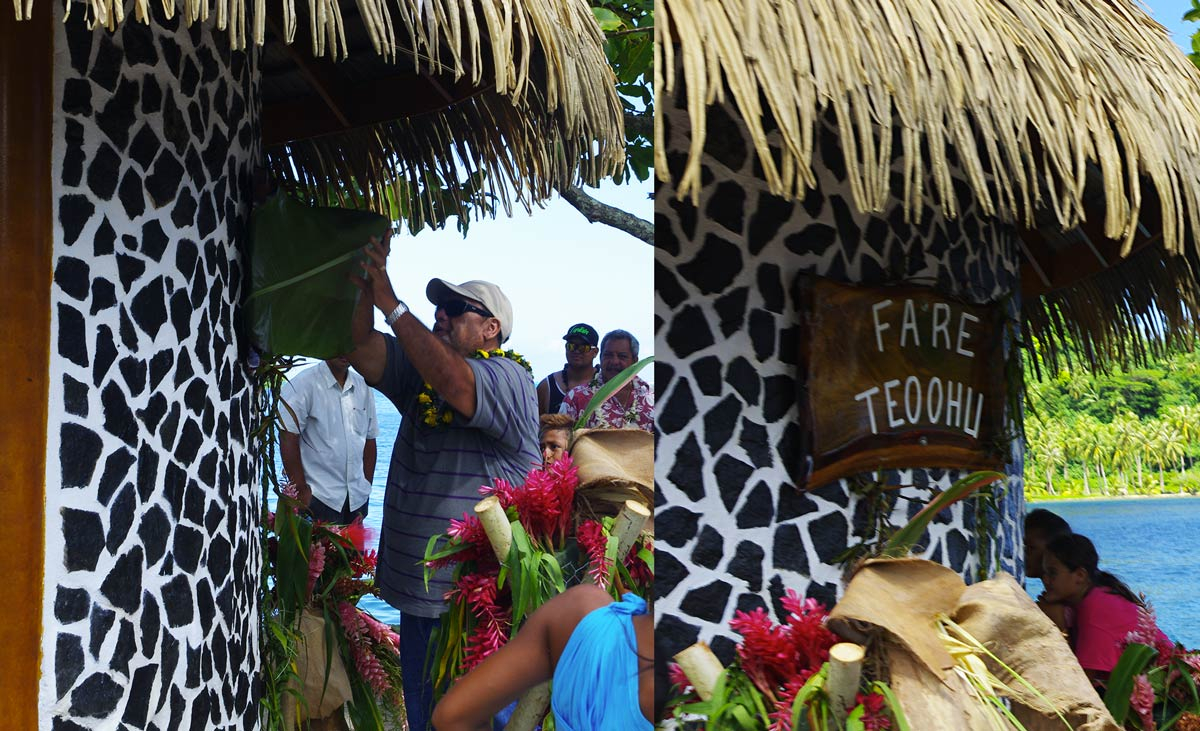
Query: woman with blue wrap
x,y
599,653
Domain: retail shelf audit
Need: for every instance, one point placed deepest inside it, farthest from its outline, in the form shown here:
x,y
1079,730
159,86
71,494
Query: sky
x,y
1170,14
556,268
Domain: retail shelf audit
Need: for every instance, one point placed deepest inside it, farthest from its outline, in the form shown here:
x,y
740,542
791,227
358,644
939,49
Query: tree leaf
x,y
301,298
607,19
1120,683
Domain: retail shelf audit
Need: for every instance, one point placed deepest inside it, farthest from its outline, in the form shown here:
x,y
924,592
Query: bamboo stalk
x,y
845,671
628,526
531,709
495,524
287,711
701,667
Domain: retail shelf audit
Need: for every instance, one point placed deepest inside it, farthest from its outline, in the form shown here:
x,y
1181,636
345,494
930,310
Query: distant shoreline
x,y
1073,498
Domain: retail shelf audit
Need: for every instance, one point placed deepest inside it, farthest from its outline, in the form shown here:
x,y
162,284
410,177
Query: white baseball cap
x,y
486,293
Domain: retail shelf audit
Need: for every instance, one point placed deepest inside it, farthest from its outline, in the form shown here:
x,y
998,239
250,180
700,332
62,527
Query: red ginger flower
x,y
591,538
809,637
776,656
316,564
781,716
503,490
874,716
468,531
677,677
357,533
490,635
1142,701
639,571
363,564
544,502
479,592
764,653
362,633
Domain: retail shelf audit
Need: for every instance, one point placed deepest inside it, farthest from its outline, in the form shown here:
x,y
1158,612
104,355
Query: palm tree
x,y
1186,420
1083,443
1051,447
1169,446
1127,447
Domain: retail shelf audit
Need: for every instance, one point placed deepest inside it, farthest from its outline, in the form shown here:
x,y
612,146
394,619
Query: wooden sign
x,y
895,377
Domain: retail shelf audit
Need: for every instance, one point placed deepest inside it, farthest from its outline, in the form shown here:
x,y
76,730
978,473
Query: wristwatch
x,y
395,314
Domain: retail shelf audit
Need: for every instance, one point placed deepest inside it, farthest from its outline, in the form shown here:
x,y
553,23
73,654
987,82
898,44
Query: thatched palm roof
x,y
411,106
1077,121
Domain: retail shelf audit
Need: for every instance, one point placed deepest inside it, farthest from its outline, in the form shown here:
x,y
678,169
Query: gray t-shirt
x,y
436,472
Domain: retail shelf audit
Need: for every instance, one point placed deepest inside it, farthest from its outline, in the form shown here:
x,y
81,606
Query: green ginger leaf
x,y
301,297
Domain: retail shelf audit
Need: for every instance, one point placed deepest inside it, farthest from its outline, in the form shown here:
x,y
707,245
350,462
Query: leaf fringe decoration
x,y
1023,94
1138,310
545,115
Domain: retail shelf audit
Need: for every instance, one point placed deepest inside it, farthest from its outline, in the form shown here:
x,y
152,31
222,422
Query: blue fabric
x,y
596,681
415,632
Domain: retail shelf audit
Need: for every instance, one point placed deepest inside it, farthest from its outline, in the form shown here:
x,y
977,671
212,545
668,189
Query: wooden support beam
x,y
361,104
26,266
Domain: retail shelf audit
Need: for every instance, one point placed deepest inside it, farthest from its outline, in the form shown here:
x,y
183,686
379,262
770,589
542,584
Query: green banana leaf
x,y
904,539
607,390
301,300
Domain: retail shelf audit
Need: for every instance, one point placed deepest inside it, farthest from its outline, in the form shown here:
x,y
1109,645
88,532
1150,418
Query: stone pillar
x,y
732,531
152,505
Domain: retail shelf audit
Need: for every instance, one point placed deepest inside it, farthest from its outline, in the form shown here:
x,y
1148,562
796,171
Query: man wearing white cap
x,y
469,414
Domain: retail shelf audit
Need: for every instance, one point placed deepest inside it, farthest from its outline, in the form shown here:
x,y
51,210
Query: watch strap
x,y
395,314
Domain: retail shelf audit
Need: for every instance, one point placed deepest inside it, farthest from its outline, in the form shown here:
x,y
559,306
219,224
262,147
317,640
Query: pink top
x,y
1103,621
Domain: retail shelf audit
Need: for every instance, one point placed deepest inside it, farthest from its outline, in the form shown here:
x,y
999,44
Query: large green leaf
x,y
301,299
1132,663
607,390
903,540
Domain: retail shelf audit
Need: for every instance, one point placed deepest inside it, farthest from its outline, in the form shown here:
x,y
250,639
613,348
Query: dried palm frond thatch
x,y
1059,114
1141,308
1047,86
543,112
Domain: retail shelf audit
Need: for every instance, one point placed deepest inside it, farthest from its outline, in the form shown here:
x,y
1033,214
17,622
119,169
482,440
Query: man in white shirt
x,y
328,446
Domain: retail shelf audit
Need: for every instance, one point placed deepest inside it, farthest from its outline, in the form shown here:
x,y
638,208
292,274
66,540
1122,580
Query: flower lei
x,y
435,412
630,417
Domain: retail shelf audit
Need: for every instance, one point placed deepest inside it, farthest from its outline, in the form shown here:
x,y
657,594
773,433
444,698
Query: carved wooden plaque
x,y
894,377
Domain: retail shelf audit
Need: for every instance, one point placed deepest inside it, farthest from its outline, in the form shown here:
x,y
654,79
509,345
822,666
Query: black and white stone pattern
x,y
733,533
152,553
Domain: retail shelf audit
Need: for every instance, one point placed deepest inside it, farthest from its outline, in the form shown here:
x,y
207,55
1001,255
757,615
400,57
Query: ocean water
x,y
1151,545
389,425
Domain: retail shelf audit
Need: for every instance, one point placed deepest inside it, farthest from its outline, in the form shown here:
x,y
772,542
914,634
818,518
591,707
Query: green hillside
x,y
1134,432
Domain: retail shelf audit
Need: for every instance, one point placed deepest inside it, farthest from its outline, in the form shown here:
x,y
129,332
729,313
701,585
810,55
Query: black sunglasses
x,y
455,308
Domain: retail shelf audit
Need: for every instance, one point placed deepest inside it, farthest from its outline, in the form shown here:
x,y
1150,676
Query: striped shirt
x,y
436,472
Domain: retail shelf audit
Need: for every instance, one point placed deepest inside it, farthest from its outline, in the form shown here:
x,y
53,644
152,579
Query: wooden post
x,y
701,667
27,105
531,709
845,671
496,525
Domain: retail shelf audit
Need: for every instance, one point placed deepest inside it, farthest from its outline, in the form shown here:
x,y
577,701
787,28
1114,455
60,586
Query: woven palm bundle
x,y
1036,101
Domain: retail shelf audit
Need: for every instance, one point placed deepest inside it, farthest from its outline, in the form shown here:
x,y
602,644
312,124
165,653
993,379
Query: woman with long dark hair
x,y
1106,610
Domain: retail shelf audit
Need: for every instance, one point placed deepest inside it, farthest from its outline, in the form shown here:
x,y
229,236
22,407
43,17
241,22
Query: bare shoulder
x,y
587,597
562,613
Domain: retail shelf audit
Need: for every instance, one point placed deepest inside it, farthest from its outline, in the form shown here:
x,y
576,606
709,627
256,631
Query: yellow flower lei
x,y
435,412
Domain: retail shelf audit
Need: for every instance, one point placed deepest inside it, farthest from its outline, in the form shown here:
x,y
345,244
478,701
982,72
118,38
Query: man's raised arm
x,y
441,367
369,356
